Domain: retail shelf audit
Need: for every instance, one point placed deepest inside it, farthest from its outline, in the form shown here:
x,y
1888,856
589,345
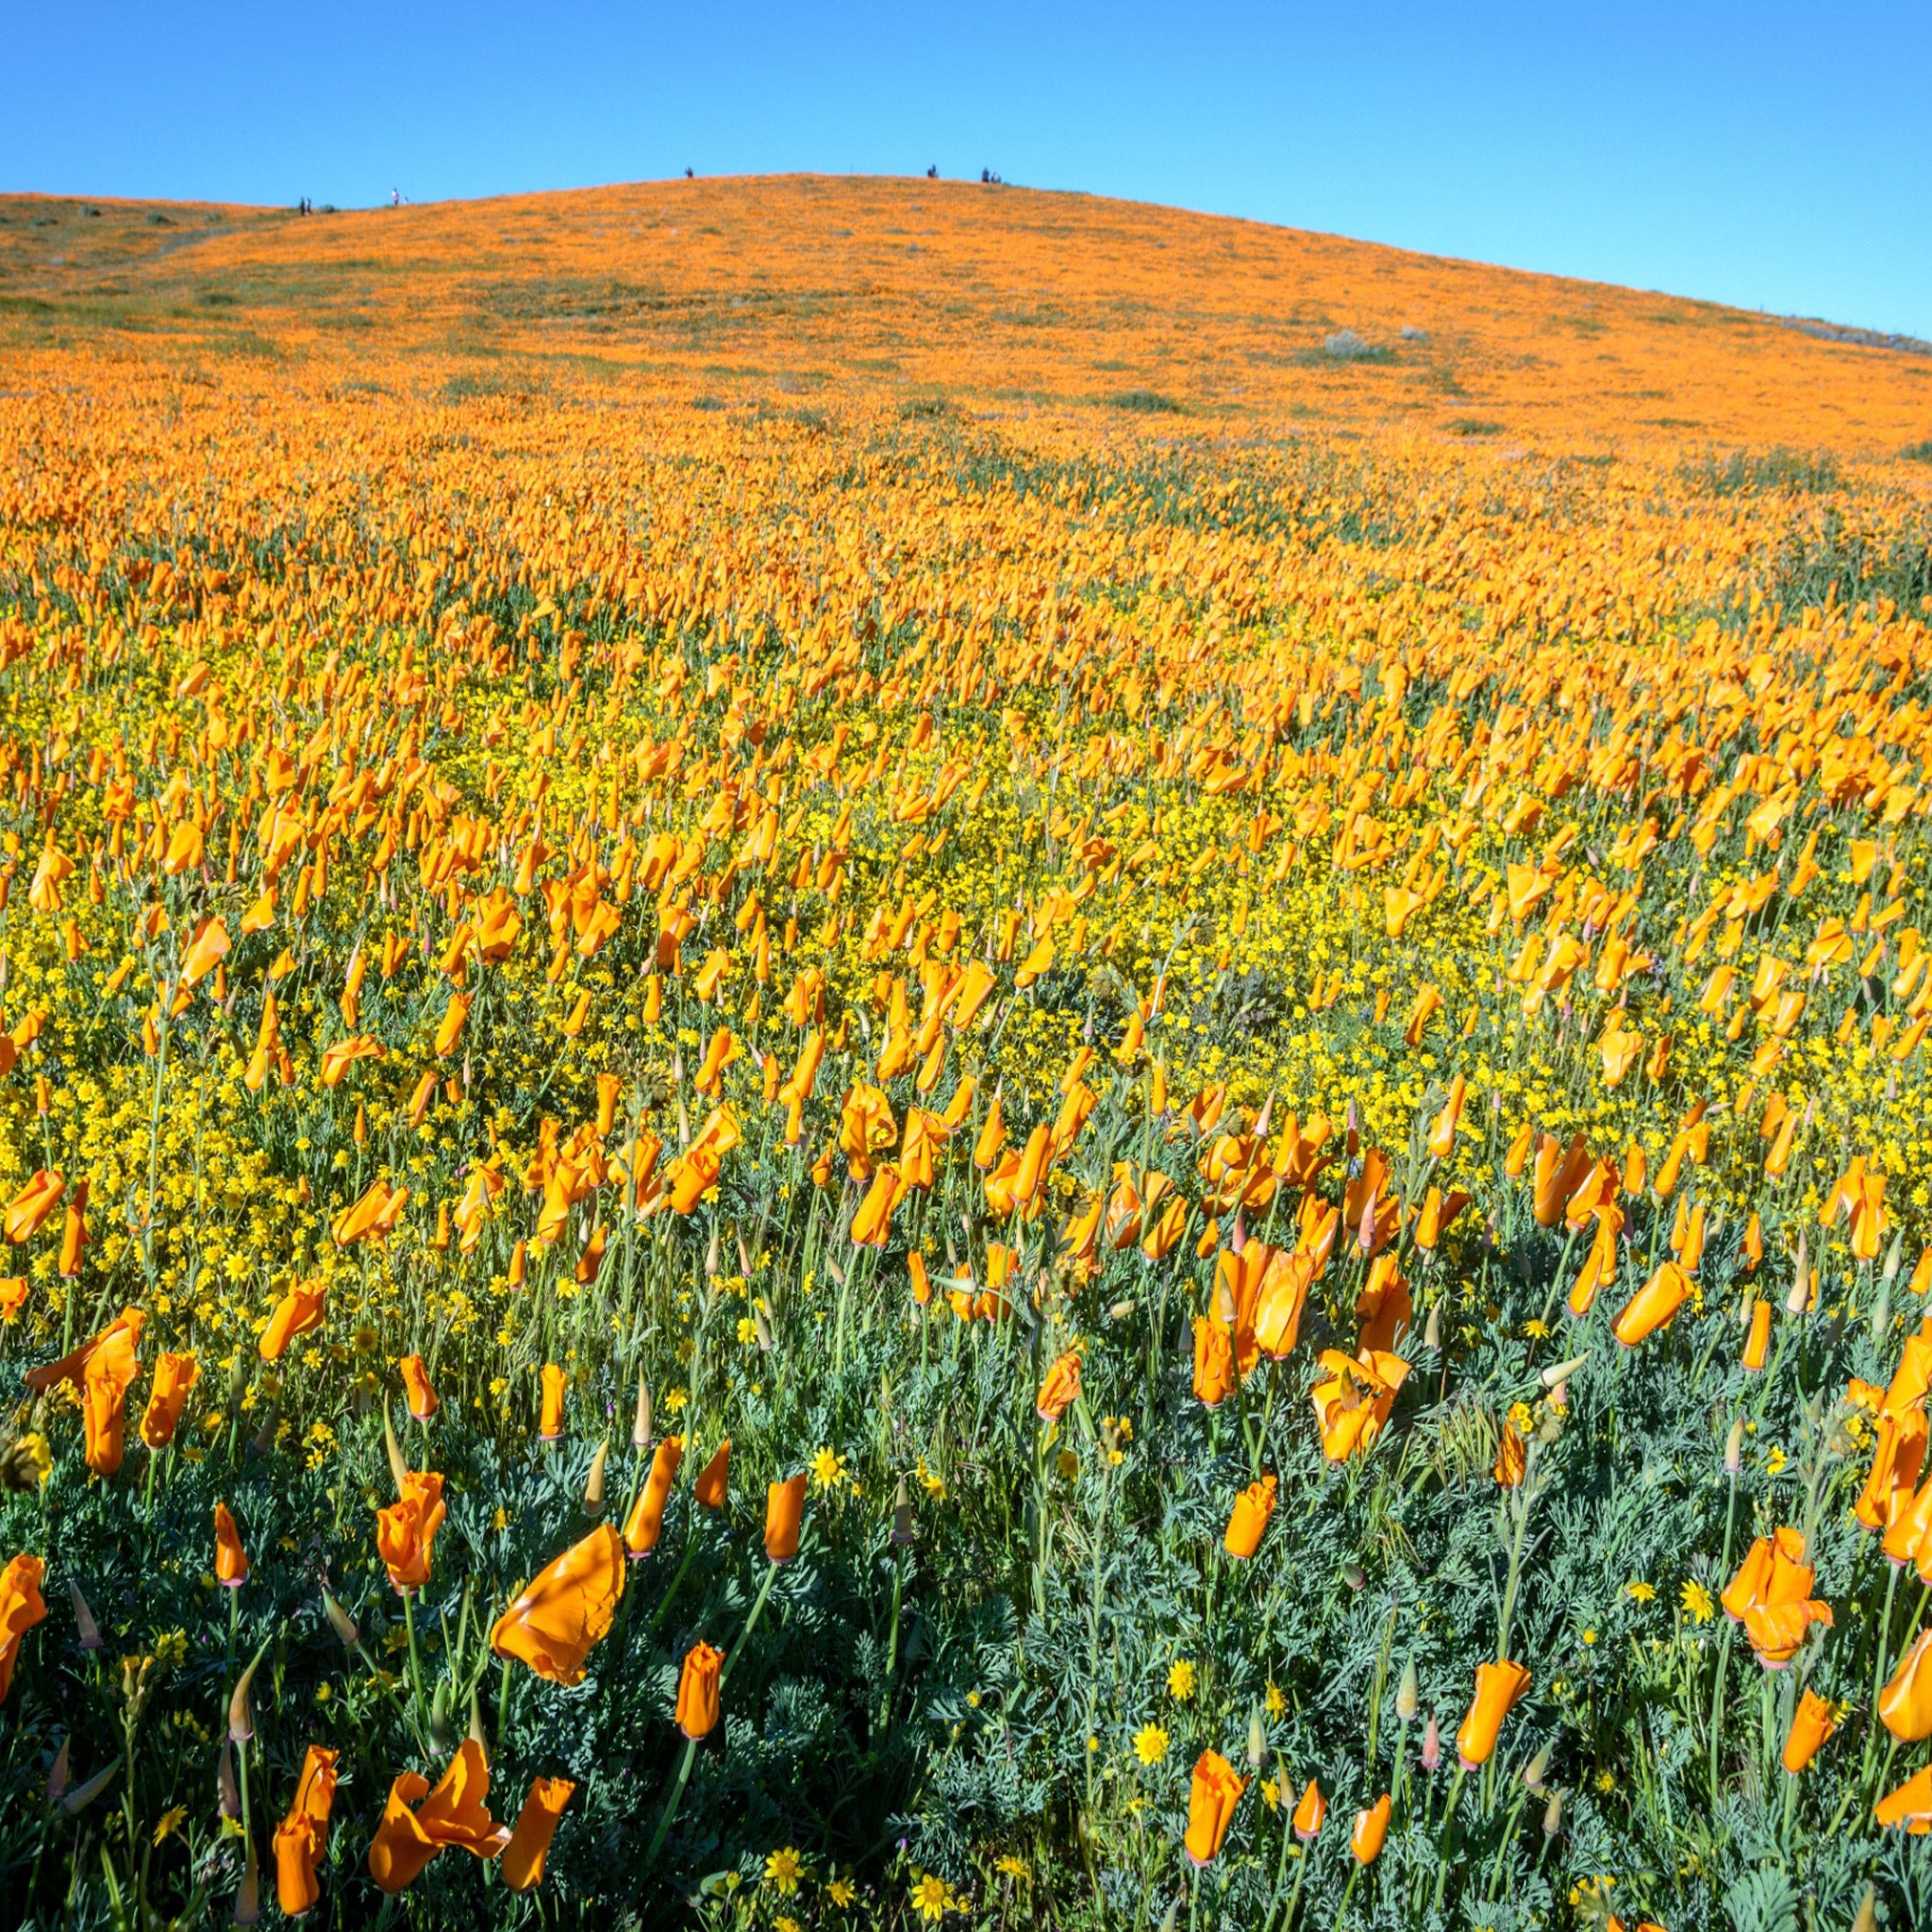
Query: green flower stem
x,y
671,1803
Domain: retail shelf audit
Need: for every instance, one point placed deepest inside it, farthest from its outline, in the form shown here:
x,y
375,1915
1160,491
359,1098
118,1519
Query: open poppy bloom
x,y
1059,1388
1355,1403
457,1812
1497,1688
1281,1295
1249,1521
302,1836
124,1331
1897,1456
696,1714
536,1825
784,1512
565,1609
21,1608
1771,1595
1214,1792
1910,1805
646,1521
1905,1703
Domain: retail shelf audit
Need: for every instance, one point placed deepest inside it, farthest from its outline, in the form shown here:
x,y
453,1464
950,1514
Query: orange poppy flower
x,y
1910,1805
1811,1725
406,1530
565,1609
784,1513
696,1714
232,1561
1904,1705
418,1389
1248,1523
456,1813
30,1209
1771,1595
714,1478
302,1836
1058,1389
1497,1688
1653,1306
297,1312
550,1425
1213,1794
174,1375
1310,1812
646,1521
21,1608
1214,1361
1371,1828
536,1825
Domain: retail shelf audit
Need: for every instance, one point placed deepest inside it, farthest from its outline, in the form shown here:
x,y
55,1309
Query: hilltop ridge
x,y
988,298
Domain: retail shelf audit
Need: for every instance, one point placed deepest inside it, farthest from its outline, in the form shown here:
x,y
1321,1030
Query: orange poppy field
x,y
903,1054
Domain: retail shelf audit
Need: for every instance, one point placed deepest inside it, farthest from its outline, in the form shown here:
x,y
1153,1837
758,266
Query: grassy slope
x,y
997,299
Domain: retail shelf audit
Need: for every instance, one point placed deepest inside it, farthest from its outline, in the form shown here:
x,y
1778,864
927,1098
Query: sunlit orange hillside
x,y
992,297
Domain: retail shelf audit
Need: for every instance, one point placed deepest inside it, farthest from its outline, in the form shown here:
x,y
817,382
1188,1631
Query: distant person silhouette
x,y
688,174
932,174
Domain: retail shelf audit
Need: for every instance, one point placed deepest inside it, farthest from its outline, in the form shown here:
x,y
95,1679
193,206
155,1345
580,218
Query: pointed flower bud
x,y
1407,1694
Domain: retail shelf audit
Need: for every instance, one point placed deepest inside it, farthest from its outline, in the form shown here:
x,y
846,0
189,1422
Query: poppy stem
x,y
671,1803
415,1660
1878,1674
1347,1892
690,1550
1448,1832
750,1623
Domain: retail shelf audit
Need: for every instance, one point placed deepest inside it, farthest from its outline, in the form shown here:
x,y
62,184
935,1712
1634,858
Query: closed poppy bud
x,y
232,1561
1758,1344
1512,1458
1905,1703
1811,1723
784,1511
1371,1829
1058,1389
1215,1791
536,1825
339,1622
697,1691
1734,1447
1497,1687
1249,1521
713,1480
424,1401
1431,1754
1653,1305
1032,1165
550,1426
646,1522
1408,1699
1309,1810
174,1375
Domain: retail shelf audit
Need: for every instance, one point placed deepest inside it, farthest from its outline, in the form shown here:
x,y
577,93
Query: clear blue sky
x,y
1772,154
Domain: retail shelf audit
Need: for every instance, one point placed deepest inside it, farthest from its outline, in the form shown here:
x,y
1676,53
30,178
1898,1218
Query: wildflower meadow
x,y
798,1131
